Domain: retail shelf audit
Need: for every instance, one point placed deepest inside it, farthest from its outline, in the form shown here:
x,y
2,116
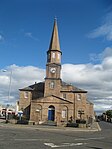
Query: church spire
x,y
54,44
53,66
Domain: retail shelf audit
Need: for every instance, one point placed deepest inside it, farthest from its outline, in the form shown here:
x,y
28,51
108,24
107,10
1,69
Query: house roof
x,y
26,89
87,101
37,86
40,88
74,89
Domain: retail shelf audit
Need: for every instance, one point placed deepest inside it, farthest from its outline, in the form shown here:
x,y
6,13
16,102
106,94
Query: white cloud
x,y
20,78
1,38
104,30
30,35
102,104
95,78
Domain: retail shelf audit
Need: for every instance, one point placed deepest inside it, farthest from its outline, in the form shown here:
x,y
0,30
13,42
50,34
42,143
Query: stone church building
x,y
53,99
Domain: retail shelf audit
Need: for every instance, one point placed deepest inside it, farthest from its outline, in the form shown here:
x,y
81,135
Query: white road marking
x,y
52,145
90,138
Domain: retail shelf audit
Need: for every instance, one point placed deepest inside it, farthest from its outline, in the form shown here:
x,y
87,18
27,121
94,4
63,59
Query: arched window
x,y
65,112
78,96
53,55
64,95
58,55
26,94
39,110
39,107
48,57
52,84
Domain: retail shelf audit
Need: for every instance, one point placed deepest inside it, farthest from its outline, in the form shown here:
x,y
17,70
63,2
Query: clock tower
x,y
53,66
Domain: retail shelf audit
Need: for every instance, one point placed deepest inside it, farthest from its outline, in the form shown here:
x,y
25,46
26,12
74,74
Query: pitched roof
x,y
40,87
89,102
74,89
26,89
37,86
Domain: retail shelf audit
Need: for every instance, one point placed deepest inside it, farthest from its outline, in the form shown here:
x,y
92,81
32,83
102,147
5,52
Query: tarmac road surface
x,y
44,138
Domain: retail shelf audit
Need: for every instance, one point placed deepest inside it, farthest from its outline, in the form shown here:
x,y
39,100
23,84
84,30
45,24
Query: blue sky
x,y
85,32
26,26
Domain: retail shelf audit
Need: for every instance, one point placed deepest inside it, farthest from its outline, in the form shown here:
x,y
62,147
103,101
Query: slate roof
x,y
37,86
87,101
74,89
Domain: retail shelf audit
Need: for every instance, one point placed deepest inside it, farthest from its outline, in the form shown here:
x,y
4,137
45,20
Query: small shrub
x,y
81,121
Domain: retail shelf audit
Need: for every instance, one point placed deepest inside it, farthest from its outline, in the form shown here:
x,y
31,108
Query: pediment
x,y
53,99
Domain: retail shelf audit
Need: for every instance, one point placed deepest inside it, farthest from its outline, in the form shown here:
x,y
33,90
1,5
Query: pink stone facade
x,y
53,99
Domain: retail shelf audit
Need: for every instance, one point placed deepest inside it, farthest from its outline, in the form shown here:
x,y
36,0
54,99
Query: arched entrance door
x,y
51,113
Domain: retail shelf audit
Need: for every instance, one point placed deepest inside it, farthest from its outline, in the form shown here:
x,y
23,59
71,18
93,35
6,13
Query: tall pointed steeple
x,y
54,44
53,65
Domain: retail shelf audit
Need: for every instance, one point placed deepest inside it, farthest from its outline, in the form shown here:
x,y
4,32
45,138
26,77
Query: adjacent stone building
x,y
53,99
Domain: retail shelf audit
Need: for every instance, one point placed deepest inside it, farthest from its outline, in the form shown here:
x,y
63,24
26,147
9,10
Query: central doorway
x,y
51,113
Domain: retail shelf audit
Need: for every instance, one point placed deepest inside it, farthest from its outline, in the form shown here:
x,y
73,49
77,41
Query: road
x,y
27,138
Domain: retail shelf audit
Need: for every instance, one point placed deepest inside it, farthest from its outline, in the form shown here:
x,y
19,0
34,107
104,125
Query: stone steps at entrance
x,y
49,123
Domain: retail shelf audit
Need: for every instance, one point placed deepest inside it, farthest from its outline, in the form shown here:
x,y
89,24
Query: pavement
x,y
94,127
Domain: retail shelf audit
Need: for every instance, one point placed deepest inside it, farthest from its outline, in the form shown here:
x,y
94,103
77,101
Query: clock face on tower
x,y
52,70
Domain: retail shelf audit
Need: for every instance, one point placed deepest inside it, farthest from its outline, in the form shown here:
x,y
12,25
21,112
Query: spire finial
x,y
55,18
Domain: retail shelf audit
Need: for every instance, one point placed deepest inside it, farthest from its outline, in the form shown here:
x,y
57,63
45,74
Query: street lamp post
x,y
10,81
9,91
